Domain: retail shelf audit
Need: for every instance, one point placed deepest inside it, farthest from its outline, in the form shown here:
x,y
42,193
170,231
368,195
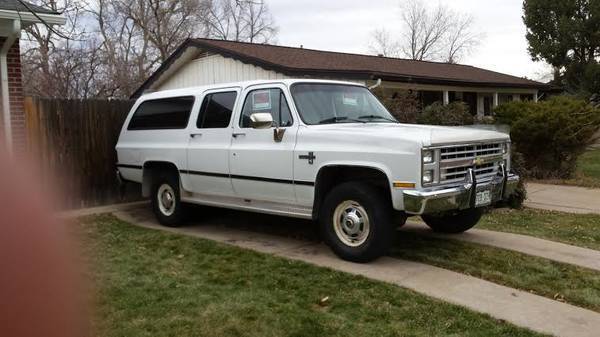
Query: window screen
x,y
216,110
267,100
165,113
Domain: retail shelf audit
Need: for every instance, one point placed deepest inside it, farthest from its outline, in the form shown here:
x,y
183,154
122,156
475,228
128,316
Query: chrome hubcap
x,y
166,199
351,223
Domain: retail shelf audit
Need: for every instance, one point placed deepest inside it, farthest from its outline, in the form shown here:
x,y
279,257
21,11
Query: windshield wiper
x,y
339,119
378,117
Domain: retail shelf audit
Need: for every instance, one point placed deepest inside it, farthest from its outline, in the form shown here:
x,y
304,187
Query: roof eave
x,y
28,17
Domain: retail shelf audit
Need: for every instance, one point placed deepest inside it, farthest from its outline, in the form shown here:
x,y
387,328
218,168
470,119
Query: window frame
x,y
209,94
137,109
282,92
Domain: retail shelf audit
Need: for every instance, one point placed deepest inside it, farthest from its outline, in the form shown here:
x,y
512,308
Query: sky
x,y
346,26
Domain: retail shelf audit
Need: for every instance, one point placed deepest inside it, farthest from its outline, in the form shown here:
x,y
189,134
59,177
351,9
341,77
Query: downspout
x,y
13,34
378,83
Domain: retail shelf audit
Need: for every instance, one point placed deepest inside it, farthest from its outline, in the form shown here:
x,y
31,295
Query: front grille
x,y
470,151
455,161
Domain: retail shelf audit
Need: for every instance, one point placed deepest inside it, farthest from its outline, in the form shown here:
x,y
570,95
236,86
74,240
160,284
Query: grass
x,y
559,281
589,164
151,283
587,173
576,229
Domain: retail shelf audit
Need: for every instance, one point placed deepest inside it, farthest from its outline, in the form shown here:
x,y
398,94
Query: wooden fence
x,y
74,144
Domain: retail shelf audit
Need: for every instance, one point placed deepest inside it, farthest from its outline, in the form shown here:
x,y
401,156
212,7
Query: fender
x,y
361,169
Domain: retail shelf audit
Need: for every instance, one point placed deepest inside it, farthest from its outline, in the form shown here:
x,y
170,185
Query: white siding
x,y
214,69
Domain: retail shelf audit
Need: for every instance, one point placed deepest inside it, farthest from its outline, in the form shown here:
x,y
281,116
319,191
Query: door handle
x,y
194,135
237,134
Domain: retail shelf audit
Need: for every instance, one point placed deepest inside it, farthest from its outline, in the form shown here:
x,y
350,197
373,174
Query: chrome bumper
x,y
459,197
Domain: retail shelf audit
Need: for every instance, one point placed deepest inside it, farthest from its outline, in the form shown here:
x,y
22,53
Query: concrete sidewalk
x,y
556,251
518,307
563,198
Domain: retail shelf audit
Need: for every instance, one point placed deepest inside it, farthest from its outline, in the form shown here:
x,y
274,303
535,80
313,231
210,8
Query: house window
x,y
504,98
216,110
164,113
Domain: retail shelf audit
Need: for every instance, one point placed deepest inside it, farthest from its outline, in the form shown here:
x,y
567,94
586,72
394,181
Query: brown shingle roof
x,y
308,62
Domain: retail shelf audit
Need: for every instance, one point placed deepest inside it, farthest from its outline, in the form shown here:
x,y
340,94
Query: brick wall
x,y
15,90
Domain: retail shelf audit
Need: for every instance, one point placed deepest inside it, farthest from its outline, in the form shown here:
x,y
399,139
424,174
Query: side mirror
x,y
261,120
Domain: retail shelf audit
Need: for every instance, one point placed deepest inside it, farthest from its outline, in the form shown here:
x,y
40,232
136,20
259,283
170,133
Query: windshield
x,y
321,103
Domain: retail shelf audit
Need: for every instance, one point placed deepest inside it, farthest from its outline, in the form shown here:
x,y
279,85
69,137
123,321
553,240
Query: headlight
x,y
504,148
428,177
427,157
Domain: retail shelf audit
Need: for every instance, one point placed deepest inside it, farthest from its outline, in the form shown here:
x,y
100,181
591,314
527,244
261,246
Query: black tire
x,y
454,222
377,206
175,217
399,218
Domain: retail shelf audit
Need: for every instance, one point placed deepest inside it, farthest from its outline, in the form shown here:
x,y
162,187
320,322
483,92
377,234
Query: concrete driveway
x,y
572,199
298,240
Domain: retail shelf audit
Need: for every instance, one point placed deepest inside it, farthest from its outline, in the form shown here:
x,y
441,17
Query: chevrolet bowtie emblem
x,y
478,161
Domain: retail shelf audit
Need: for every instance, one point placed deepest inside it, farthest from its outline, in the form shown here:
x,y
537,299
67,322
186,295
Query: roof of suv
x,y
245,84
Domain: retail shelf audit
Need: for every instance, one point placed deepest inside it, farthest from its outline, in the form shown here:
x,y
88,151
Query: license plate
x,y
483,198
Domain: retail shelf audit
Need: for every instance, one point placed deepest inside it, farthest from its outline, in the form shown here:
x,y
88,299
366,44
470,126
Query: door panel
x,y
261,167
209,143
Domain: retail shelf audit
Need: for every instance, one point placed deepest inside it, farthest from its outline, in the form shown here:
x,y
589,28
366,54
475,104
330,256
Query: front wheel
x,y
356,222
454,221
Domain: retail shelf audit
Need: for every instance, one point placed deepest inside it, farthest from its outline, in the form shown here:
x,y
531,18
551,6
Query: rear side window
x,y
216,110
164,113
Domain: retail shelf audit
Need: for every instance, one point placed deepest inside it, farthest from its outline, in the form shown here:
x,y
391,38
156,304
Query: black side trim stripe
x,y
130,166
234,176
209,174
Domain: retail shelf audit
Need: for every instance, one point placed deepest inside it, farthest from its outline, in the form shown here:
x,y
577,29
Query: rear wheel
x,y
356,222
455,221
166,201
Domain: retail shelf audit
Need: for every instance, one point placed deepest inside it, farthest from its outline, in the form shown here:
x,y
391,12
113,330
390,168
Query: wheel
x,y
356,222
166,201
399,218
454,222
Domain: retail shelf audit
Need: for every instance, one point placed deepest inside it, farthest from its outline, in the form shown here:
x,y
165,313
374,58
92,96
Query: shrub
x,y
550,134
402,104
517,163
455,113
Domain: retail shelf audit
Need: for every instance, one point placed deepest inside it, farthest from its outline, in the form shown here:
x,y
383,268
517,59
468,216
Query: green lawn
x,y
588,165
575,229
587,173
579,286
151,283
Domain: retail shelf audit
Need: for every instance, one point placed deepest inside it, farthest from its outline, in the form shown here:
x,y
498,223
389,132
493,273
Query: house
x,y
15,15
207,61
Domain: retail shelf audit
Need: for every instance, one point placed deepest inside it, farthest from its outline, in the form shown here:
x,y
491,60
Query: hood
x,y
424,135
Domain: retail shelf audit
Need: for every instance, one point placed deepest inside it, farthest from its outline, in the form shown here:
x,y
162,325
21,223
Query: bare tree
x,y
437,33
383,44
46,50
461,39
240,20
109,47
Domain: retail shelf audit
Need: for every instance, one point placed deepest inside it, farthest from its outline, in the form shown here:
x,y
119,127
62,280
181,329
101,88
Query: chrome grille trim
x,y
471,151
455,161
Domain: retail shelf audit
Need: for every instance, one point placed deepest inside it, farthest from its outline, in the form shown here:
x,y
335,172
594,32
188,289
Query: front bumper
x,y
460,197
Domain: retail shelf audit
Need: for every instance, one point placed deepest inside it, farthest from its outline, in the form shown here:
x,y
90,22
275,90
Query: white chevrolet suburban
x,y
314,149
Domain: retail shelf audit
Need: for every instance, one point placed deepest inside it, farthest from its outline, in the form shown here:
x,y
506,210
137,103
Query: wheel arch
x,y
333,174
150,171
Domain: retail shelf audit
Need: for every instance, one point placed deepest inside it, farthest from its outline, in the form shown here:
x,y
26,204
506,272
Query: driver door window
x,y
270,101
